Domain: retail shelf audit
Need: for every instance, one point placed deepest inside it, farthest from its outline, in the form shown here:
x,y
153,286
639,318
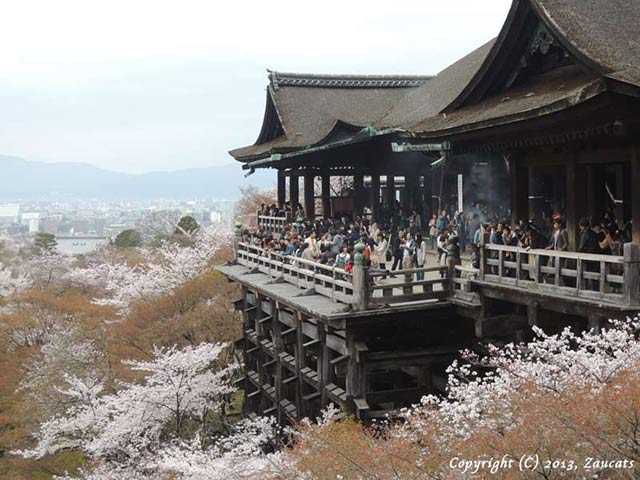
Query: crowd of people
x,y
402,241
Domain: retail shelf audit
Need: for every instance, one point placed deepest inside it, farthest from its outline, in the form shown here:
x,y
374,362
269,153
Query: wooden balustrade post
x,y
451,275
360,276
484,240
237,237
631,274
407,289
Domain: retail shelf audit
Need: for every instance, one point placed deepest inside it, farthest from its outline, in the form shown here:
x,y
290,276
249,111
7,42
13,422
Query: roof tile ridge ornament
x,y
273,78
278,79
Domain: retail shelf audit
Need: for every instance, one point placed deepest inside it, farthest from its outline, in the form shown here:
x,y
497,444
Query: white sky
x,y
141,85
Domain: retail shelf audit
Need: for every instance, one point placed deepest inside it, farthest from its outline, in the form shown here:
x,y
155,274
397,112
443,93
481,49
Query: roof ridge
x,y
291,79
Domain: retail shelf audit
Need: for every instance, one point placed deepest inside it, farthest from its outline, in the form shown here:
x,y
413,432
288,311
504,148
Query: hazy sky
x,y
138,85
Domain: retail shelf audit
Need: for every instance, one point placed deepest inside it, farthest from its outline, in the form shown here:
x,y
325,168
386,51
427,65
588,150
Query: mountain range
x,y
25,179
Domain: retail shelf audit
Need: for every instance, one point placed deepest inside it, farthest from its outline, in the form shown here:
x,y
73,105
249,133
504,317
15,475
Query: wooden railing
x,y
356,288
409,289
604,278
461,283
272,224
331,282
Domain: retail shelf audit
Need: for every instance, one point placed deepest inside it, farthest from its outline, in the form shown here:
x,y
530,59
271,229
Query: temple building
x,y
544,120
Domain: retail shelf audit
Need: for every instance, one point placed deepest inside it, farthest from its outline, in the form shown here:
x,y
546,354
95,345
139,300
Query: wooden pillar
x,y
635,194
281,189
391,191
619,192
374,199
260,355
300,363
324,365
426,199
278,346
358,192
356,379
246,325
631,293
576,199
294,193
594,323
309,196
532,313
413,191
519,179
326,195
481,315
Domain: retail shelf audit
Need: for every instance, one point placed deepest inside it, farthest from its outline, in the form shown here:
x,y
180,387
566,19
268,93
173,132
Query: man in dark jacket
x,y
396,248
588,241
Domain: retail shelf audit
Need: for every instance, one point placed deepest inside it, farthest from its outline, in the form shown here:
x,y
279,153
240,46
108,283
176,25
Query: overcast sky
x,y
143,85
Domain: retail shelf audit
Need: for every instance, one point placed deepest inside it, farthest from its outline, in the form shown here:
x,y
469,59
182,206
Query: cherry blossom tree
x,y
65,351
565,398
161,270
12,282
160,424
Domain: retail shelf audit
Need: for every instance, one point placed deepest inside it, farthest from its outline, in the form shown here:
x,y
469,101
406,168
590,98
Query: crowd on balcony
x,y
404,241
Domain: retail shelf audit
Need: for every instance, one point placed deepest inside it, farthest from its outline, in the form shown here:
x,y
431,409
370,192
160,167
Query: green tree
x,y
128,239
186,225
44,241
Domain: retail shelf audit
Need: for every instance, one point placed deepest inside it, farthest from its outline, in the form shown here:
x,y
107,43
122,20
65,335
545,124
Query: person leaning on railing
x,y
453,252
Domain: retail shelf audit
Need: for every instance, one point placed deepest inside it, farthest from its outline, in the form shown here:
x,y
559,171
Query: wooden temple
x,y
544,118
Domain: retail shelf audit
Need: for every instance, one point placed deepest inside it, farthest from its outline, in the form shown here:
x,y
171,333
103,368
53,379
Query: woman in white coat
x,y
421,254
380,251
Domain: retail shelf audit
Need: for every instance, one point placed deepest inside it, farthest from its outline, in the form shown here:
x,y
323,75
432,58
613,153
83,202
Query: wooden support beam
x,y
358,192
532,313
374,197
356,378
519,179
281,189
326,195
391,191
294,192
576,179
411,182
341,358
324,366
309,195
254,394
635,194
300,363
311,396
631,274
427,194
278,347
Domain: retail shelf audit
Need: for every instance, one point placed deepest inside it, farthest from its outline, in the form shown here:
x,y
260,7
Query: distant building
x,y
215,217
9,213
80,225
80,245
50,225
31,220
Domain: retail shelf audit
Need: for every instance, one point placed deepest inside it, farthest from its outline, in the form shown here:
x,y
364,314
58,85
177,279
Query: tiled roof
x,y
601,37
312,108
